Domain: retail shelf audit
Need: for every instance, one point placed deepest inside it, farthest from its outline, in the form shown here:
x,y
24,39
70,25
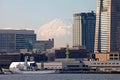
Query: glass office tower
x,y
12,40
84,30
107,35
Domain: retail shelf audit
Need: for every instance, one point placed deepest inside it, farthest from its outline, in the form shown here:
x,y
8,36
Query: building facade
x,y
12,40
108,56
42,45
84,30
73,53
107,35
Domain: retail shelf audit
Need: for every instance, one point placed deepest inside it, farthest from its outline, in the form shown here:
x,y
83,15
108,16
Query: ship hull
x,y
34,72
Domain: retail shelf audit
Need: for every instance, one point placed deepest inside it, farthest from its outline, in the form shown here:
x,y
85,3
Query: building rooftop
x,y
17,31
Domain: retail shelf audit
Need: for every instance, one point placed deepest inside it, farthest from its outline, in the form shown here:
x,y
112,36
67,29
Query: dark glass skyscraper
x,y
12,40
107,36
84,30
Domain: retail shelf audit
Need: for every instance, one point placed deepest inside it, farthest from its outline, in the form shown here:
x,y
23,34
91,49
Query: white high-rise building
x,y
107,35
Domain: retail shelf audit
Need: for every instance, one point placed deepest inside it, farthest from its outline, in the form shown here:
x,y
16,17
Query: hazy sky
x,y
34,13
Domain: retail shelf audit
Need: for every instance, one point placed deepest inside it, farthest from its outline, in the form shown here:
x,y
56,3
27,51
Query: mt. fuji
x,y
57,29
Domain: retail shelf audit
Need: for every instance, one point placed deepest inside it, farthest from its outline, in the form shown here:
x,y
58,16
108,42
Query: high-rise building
x,y
84,30
12,40
107,35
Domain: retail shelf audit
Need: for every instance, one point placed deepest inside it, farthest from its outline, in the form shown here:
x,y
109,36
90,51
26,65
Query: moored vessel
x,y
27,68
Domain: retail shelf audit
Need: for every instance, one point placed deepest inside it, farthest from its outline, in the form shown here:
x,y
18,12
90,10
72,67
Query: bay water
x,y
60,77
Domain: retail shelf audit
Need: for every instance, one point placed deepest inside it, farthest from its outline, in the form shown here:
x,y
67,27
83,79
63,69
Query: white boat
x,y
27,68
20,68
17,71
40,72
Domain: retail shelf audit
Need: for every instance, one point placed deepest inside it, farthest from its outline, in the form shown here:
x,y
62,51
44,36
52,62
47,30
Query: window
x,y
113,63
72,65
104,5
117,63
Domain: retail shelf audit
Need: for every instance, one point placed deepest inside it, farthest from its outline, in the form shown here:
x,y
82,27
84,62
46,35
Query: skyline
x,y
29,14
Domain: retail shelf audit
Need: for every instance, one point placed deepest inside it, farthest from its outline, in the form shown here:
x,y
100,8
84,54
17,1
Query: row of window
x,y
114,54
53,67
105,63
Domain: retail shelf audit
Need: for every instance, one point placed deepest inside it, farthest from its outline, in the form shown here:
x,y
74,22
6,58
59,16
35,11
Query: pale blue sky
x,y
34,13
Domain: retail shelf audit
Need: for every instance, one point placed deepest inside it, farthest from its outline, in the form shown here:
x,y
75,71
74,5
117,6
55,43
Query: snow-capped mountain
x,y
57,29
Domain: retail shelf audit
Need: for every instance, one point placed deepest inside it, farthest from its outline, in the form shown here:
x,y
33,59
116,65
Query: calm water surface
x,y
60,77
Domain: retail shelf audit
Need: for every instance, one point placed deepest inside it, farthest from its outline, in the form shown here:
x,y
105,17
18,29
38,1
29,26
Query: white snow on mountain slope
x,y
57,29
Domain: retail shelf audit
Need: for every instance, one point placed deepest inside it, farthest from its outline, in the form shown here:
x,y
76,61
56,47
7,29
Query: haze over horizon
x,y
35,14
